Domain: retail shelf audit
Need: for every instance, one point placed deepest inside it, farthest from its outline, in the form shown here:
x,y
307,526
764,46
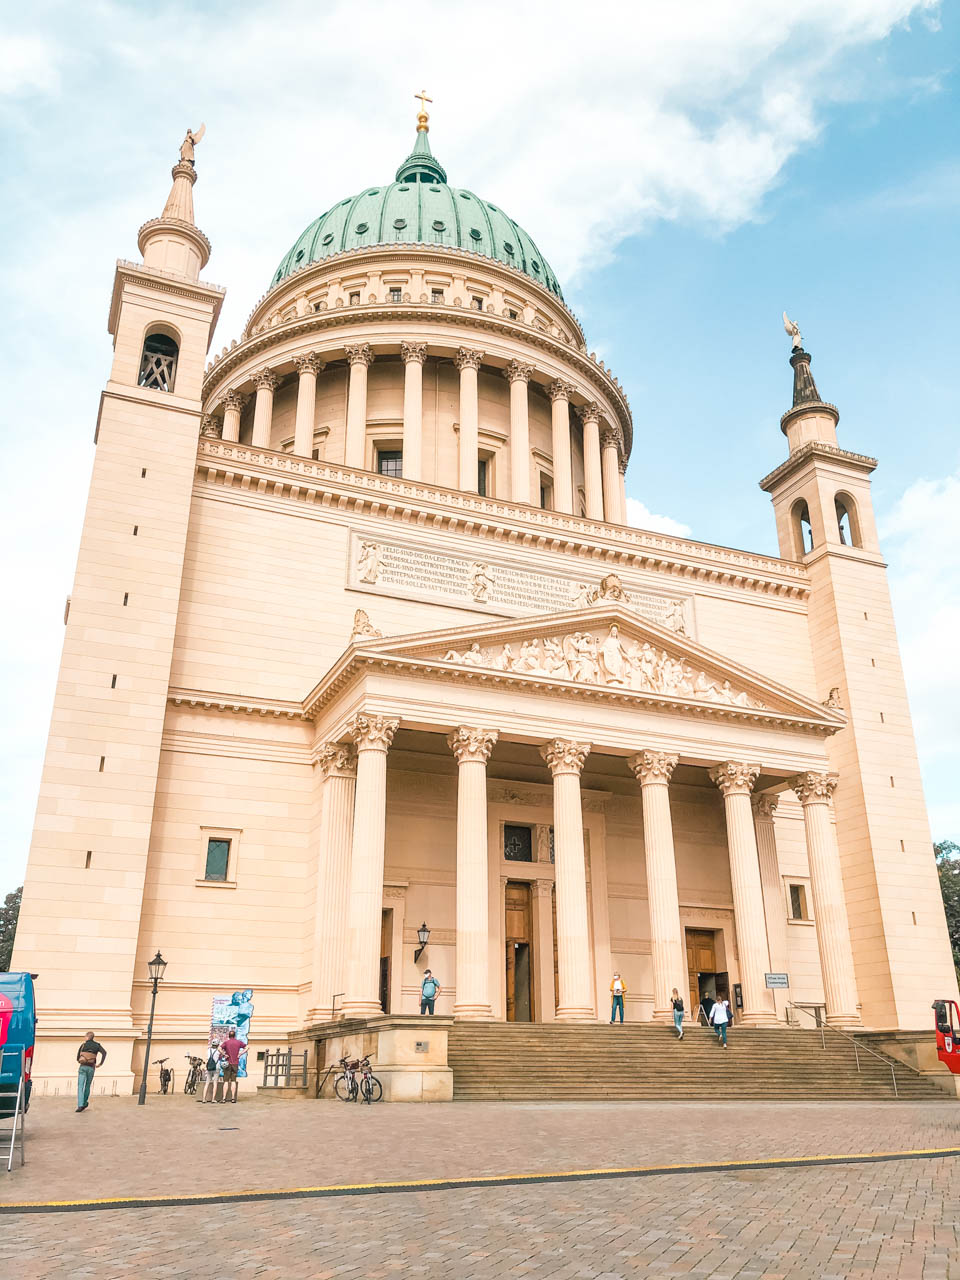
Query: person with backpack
x,y
87,1059
719,1017
676,1001
429,990
210,1078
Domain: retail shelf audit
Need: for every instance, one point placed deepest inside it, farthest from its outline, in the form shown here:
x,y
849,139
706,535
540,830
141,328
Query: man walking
x,y
231,1050
87,1059
429,990
719,1017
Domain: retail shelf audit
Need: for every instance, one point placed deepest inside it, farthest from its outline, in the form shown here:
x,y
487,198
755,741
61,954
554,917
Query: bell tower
x,y
83,892
824,513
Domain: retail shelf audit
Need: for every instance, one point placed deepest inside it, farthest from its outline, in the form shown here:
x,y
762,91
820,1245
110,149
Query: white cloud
x,y
27,63
920,537
641,517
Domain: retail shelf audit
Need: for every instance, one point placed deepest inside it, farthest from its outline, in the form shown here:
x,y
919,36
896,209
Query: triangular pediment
x,y
602,650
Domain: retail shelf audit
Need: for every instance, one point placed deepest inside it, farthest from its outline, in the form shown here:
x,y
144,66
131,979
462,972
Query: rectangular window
x,y
218,857
436,295
482,465
476,303
355,298
798,902
517,843
396,295
390,462
511,314
546,492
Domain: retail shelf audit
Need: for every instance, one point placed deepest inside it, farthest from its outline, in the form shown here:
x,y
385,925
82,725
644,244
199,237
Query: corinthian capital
x,y
652,766
372,733
211,428
337,760
560,390
266,378
234,400
472,745
413,352
734,778
310,363
764,805
467,359
815,788
360,353
609,438
565,756
517,371
589,412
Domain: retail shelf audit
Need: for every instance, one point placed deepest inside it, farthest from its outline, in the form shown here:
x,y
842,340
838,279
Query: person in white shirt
x,y
618,990
720,1017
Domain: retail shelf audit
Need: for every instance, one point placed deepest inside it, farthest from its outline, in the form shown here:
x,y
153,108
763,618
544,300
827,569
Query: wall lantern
x,y
423,934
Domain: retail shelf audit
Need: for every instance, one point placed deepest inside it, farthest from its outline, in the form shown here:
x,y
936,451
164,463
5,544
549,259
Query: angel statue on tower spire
x,y
189,142
793,331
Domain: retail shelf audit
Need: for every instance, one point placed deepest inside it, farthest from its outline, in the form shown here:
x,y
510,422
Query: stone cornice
x,y
163,282
590,371
817,449
290,478
199,700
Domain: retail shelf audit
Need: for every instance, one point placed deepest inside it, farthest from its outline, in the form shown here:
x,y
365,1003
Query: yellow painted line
x,y
478,1180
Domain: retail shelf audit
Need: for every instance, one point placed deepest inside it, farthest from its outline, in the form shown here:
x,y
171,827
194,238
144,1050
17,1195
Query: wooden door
x,y
701,958
518,935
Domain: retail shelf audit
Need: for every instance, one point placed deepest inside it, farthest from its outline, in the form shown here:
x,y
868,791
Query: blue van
x,y
18,1029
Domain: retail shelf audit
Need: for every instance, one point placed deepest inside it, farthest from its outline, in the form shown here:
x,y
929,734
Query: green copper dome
x,y
419,208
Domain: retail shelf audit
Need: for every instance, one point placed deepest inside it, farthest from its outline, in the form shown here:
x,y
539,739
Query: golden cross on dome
x,y
422,116
422,95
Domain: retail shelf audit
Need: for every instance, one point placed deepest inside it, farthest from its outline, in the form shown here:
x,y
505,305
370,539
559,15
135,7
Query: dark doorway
x,y
707,983
386,940
519,947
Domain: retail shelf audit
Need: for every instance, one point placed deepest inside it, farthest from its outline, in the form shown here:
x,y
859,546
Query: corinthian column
x,y
735,781
829,910
653,770
233,403
373,735
337,763
468,362
266,383
518,375
360,358
560,393
566,760
592,482
472,749
307,367
414,355
622,487
764,807
609,456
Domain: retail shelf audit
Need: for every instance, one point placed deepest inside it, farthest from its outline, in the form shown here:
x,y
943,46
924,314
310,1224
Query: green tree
x,y
9,913
948,868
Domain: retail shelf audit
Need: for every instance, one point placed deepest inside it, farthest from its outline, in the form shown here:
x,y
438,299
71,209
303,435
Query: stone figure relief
x,y
611,661
369,562
832,700
481,581
363,628
793,332
611,588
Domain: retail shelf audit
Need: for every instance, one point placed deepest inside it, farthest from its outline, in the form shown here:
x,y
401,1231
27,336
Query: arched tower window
x,y
158,364
802,530
847,522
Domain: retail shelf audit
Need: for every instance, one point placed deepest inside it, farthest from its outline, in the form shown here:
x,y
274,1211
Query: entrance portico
x,y
625,697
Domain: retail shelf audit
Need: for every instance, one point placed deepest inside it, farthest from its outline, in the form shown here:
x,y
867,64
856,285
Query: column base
x,y
758,1018
844,1021
362,1009
473,1012
576,1014
663,1015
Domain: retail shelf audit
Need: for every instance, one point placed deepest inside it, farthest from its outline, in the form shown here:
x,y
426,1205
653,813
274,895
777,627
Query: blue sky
x,y
690,171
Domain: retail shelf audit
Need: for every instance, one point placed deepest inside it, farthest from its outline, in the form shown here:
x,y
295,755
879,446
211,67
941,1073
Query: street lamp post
x,y
156,967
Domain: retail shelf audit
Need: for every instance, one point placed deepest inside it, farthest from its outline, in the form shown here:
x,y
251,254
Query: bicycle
x,y
348,1089
195,1074
166,1074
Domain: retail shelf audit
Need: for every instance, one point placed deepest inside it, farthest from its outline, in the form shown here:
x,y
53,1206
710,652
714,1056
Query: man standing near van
x,y
87,1058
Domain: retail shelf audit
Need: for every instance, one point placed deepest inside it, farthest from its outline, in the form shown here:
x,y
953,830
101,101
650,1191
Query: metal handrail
x,y
824,1026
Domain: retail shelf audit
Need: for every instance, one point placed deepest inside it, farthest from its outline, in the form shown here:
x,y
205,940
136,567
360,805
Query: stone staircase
x,y
591,1062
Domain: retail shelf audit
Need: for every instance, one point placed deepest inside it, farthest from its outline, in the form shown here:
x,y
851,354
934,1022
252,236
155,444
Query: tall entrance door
x,y
386,941
706,984
519,951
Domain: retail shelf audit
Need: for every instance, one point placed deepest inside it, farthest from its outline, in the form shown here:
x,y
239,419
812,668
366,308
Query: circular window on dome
x,y
299,256
280,274
362,227
347,201
535,266
439,226
375,192
476,233
403,188
399,223
493,207
508,248
328,238
464,195
434,191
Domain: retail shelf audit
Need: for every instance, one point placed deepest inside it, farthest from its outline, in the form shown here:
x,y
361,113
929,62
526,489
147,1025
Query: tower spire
x,y
173,242
420,165
809,417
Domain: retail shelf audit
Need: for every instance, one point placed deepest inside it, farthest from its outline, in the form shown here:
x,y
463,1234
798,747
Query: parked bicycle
x,y
194,1073
356,1080
166,1074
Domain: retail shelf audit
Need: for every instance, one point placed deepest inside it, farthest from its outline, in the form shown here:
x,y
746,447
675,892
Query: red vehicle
x,y
947,1016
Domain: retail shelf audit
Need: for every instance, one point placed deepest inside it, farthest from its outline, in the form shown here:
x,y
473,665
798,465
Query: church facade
x,y
360,643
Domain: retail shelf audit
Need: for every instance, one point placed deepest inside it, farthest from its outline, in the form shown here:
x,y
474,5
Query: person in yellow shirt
x,y
617,991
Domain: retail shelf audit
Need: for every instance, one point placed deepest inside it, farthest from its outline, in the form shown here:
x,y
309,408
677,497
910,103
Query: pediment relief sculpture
x,y
610,660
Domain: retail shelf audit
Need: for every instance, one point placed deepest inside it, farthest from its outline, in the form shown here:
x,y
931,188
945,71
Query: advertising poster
x,y
232,1013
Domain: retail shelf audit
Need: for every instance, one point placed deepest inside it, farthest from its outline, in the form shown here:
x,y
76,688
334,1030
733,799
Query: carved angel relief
x,y
613,662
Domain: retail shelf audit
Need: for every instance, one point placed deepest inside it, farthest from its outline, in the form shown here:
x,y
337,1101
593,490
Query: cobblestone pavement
x,y
897,1219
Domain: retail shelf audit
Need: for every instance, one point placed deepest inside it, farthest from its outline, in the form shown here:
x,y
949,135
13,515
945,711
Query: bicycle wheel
x,y
342,1088
375,1089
